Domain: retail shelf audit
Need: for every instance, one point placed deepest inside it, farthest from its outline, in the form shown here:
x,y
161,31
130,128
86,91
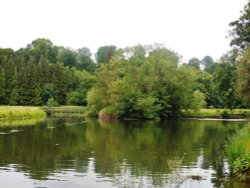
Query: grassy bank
x,y
216,113
238,151
21,112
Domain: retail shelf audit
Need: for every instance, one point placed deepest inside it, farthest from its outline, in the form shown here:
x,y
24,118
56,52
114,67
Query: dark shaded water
x,y
76,153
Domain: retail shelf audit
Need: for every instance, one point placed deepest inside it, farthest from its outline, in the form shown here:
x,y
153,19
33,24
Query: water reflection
x,y
77,153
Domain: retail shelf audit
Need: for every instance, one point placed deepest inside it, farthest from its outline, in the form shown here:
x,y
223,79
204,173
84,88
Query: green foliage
x,y
148,107
225,114
240,32
224,81
141,86
32,75
195,63
209,64
243,77
52,103
198,100
238,151
21,112
2,86
84,60
126,79
104,54
217,82
242,163
68,57
49,91
43,48
5,54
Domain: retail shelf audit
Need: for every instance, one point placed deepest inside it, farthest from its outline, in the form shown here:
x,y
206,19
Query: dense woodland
x,y
143,81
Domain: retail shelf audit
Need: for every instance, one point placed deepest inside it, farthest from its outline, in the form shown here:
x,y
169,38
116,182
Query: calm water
x,y
76,153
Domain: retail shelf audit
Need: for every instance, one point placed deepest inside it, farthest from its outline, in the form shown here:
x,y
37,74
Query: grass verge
x,y
216,113
21,112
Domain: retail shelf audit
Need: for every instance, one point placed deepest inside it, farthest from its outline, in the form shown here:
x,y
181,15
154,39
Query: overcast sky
x,y
193,28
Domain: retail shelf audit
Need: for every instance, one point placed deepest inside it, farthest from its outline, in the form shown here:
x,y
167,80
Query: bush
x,y
225,114
148,107
52,102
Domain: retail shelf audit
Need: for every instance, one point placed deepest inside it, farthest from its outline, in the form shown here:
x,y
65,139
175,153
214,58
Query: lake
x,y
77,153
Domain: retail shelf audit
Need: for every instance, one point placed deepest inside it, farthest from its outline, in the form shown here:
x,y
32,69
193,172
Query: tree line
x,y
143,81
42,71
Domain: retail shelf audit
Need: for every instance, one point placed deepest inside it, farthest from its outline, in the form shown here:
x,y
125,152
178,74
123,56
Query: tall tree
x,y
240,32
224,81
84,60
195,63
43,48
9,73
67,56
2,86
208,64
104,54
5,54
142,86
243,76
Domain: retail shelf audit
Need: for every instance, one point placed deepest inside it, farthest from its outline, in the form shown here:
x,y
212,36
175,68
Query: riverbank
x,y
217,113
26,112
238,152
21,112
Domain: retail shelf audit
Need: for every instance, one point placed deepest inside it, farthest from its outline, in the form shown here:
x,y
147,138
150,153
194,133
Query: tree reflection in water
x,y
123,153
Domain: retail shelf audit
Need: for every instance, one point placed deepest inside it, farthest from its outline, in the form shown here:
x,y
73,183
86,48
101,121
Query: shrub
x,y
225,114
52,102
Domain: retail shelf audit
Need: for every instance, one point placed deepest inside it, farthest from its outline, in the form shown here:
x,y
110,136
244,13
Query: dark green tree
x,y
243,77
49,91
2,86
9,73
67,56
57,78
240,32
224,81
104,54
5,54
13,98
84,60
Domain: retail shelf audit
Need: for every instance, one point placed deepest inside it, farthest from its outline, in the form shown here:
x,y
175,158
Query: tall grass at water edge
x,y
238,152
21,112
